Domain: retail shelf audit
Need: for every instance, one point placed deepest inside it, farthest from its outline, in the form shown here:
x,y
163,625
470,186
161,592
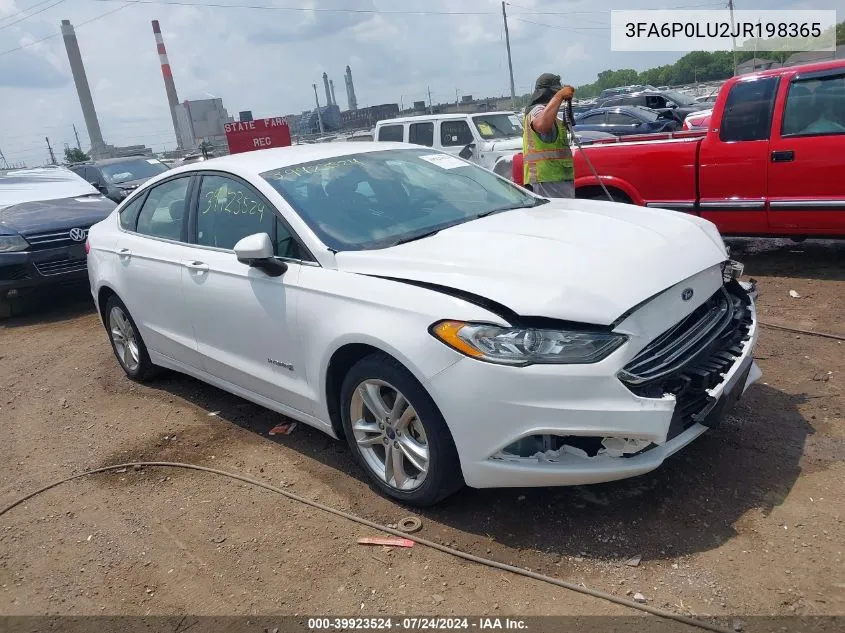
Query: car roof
x,y
424,117
620,108
113,161
263,160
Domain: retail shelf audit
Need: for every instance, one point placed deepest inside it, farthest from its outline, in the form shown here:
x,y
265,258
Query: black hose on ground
x,y
601,595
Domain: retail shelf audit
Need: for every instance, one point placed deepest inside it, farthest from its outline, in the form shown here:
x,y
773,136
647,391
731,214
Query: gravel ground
x,y
746,521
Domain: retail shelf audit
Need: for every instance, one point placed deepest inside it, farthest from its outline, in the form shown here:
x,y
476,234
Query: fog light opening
x,y
12,294
551,448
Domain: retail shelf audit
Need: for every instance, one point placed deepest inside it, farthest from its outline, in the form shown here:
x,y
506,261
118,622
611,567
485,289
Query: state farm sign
x,y
246,136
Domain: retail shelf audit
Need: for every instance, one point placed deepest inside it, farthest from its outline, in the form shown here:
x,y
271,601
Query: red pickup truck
x,y
771,162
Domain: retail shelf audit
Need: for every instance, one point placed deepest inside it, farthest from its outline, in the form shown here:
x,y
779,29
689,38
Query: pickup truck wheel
x,y
397,433
126,342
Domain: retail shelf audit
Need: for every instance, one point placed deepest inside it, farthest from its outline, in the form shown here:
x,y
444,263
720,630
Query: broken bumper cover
x,y
490,407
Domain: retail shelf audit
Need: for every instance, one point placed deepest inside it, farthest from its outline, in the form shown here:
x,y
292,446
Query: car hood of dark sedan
x,y
55,215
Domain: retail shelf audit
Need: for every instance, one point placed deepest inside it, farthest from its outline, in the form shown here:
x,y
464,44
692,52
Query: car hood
x,y
507,144
55,215
576,260
131,184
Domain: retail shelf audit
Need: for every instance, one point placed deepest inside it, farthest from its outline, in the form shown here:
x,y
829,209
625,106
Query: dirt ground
x,y
746,521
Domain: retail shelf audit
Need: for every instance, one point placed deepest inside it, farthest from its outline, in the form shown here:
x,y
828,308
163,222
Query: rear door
x,y
734,159
620,123
149,248
806,188
245,321
421,133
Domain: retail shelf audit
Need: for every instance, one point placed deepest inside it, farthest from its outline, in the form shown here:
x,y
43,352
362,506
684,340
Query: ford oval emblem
x,y
687,294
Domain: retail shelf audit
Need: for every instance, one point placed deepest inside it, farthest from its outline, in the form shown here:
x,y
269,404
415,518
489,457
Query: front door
x,y
245,321
807,157
734,159
149,252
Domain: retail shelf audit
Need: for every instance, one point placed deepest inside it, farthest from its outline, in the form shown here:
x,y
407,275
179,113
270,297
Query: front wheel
x,y
397,434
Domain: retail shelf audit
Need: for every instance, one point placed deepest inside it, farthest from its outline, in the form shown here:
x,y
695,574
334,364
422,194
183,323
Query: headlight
x,y
12,244
526,346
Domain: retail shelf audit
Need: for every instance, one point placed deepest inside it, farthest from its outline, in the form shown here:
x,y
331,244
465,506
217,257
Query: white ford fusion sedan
x,y
454,328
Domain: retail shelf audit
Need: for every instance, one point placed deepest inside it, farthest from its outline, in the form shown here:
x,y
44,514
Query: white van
x,y
482,137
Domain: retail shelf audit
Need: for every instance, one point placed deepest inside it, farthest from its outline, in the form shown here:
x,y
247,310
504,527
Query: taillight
x,y
87,247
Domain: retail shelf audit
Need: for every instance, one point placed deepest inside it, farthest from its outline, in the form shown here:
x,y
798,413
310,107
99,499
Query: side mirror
x,y
257,251
466,152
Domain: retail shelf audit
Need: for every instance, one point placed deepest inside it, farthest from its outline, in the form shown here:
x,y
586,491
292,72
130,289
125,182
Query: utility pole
x,y
430,106
50,149
76,134
510,62
731,7
319,116
457,101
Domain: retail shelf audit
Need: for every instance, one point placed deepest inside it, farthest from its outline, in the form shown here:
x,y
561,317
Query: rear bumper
x,y
28,270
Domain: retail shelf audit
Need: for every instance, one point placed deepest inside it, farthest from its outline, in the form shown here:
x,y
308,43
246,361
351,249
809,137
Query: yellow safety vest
x,y
546,162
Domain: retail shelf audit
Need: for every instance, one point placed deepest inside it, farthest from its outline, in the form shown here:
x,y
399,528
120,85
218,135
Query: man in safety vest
x,y
546,155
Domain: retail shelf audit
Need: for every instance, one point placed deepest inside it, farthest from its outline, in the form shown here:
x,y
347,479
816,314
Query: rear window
x,y
748,110
815,107
391,133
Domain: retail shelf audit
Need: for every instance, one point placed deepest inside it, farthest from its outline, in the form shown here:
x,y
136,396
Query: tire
x,y
138,367
419,428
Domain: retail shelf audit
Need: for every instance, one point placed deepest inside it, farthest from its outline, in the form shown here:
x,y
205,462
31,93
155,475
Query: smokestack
x,y
77,68
169,85
326,86
331,86
350,90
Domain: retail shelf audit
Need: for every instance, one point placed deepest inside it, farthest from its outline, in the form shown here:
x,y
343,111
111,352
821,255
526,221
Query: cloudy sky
x,y
266,60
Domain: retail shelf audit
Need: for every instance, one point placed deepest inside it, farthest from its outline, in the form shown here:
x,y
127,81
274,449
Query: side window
x,y
620,118
164,210
129,214
391,133
815,107
654,101
421,134
593,119
748,110
455,133
229,210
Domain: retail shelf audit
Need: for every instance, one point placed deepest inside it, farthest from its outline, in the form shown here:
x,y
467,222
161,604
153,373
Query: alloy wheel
x,y
124,338
389,434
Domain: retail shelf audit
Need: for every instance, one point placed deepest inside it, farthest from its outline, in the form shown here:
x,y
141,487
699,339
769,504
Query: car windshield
x,y
680,99
377,199
493,126
117,173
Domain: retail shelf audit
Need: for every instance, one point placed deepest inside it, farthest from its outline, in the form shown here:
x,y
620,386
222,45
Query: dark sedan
x,y
679,105
45,215
116,178
625,120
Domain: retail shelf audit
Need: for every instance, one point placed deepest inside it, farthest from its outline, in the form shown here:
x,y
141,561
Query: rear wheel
x,y
126,342
397,433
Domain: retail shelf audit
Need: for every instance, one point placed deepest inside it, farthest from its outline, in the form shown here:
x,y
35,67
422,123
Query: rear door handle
x,y
200,267
124,252
783,156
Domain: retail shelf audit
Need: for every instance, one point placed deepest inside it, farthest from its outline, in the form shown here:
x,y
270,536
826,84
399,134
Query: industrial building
x,y
201,120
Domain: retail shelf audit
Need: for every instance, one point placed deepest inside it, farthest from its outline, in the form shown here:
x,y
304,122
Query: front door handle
x,y
200,267
124,252
783,156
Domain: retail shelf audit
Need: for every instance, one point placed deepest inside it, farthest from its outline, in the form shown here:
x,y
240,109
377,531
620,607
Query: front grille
x,y
53,239
15,272
693,356
61,267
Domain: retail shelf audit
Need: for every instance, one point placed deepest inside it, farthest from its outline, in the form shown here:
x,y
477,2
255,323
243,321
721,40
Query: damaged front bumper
x,y
552,425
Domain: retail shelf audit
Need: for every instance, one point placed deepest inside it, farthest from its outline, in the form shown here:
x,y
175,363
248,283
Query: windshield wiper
x,y
537,202
414,238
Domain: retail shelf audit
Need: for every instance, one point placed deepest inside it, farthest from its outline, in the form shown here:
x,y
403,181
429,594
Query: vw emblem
x,y
78,235
687,294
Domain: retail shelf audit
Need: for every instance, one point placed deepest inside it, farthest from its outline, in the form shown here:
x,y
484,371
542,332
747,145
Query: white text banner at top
x,y
718,30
